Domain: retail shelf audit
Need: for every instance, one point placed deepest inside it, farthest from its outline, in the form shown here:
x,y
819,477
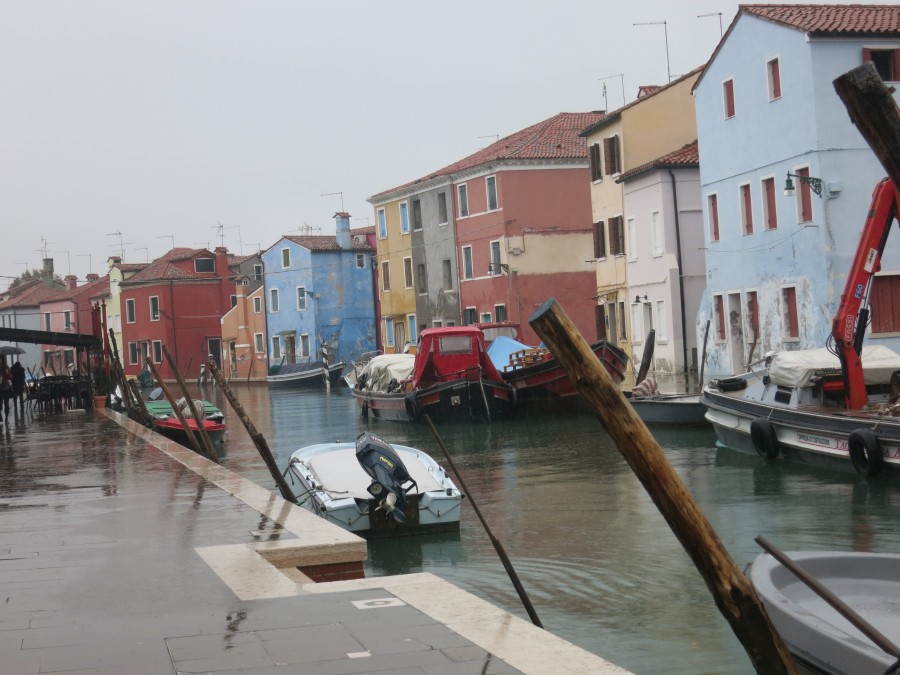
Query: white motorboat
x,y
817,635
376,489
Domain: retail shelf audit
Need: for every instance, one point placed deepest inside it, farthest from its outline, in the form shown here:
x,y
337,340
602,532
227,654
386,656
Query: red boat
x,y
170,427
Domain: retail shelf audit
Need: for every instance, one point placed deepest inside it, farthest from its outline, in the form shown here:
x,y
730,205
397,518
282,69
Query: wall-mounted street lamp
x,y
637,298
815,184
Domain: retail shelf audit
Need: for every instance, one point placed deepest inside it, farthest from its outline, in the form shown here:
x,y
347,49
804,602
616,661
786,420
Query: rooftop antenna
x,y
621,77
718,14
258,247
331,194
82,255
365,218
146,253
68,262
306,229
666,30
168,236
221,228
43,249
118,234
496,137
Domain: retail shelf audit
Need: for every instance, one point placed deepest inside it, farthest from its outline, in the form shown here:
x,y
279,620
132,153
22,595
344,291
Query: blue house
x,y
767,111
319,296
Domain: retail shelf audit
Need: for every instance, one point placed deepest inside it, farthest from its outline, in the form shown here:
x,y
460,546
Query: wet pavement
x,y
122,552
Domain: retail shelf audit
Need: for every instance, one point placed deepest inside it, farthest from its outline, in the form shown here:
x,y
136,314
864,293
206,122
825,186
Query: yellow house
x,y
660,120
394,252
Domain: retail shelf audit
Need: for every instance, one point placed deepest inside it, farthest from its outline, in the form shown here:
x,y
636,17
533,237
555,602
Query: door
x,y
214,347
290,348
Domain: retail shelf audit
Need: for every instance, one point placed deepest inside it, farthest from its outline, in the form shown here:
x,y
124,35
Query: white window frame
x,y
770,81
631,239
496,313
133,353
468,263
446,279
67,319
765,201
657,236
462,199
154,315
637,316
274,305
130,311
304,345
286,258
488,190
494,253
404,217
259,344
710,197
660,322
382,224
389,332
413,326
385,276
257,304
156,349
361,261
276,346
301,298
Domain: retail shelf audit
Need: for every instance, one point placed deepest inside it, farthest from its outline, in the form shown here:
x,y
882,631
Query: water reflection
x,y
599,562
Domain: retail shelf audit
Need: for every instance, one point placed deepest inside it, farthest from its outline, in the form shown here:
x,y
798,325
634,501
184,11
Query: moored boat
x,y
377,489
315,374
670,409
449,377
817,635
166,422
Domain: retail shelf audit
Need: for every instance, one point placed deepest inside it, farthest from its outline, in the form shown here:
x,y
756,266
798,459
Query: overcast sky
x,y
130,126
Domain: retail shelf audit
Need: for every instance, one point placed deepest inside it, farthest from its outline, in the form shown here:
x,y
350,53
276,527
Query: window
x,y
129,312
773,75
404,218
285,258
417,214
611,155
467,263
360,261
490,186
485,317
656,233
728,96
407,273
133,353
753,314
712,208
632,239
442,208
385,276
154,309
157,351
791,326
411,322
204,265
462,197
500,313
495,258
804,197
599,239
447,274
304,345
623,333
636,331
276,347
273,299
600,321
258,344
746,210
470,316
257,304
616,236
421,279
301,298
770,213
719,317
886,62
389,332
596,166
257,272
67,320
885,304
660,322
382,224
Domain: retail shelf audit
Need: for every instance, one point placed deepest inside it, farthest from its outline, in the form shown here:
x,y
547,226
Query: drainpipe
x,y
680,275
172,319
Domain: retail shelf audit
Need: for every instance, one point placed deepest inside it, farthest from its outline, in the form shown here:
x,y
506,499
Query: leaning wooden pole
x,y
257,437
204,437
731,589
195,444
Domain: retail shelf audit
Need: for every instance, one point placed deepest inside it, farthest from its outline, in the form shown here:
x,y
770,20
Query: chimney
x,y
48,268
93,276
112,261
342,228
71,282
221,253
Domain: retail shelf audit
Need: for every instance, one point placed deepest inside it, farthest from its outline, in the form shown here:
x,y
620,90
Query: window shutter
x,y
596,169
776,79
728,88
895,65
600,317
599,239
608,156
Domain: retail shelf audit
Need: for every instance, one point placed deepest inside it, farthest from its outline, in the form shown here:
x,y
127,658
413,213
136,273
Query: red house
x,y
177,301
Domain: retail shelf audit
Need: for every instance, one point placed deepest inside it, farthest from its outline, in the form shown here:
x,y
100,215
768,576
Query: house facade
x,y
660,121
69,312
244,333
667,271
118,272
766,111
319,296
22,310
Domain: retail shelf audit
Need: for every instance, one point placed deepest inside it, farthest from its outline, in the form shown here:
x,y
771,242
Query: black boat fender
x,y
765,441
729,384
412,407
865,452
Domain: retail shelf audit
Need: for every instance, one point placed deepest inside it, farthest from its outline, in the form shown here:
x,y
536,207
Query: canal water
x,y
600,564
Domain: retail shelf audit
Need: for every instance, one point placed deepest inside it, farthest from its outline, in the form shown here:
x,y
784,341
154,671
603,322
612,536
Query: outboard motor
x,y
388,473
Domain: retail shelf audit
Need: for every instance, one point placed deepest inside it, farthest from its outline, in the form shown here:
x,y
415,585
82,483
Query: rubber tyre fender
x,y
765,441
412,407
731,384
865,452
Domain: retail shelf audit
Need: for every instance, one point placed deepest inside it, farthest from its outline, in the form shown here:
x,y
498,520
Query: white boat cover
x,y
797,368
386,367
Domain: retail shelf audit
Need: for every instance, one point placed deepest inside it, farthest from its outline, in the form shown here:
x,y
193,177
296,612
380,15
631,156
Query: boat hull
x,y
815,633
670,409
171,428
311,375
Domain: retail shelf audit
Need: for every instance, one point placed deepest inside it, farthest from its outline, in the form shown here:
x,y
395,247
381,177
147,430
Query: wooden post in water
x,y
195,444
647,356
703,357
257,437
731,589
211,451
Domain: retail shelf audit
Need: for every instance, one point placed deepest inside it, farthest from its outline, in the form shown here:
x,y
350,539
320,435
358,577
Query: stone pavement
x,y
122,552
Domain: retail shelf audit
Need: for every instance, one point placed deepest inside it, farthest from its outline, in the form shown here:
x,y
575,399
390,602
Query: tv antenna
x,y
118,234
621,77
88,255
168,236
666,31
68,262
331,194
221,229
718,14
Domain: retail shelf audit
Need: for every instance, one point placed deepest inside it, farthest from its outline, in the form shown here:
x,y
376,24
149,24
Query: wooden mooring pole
x,y
255,436
204,437
731,589
195,444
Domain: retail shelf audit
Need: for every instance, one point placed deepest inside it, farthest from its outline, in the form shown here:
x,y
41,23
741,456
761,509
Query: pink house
x,y
69,312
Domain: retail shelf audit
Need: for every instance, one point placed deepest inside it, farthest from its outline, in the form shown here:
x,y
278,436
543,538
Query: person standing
x,y
18,386
5,386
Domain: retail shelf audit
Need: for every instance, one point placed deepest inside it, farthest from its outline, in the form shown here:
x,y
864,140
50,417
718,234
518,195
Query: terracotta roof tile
x,y
33,297
323,242
554,138
687,156
130,267
832,19
162,270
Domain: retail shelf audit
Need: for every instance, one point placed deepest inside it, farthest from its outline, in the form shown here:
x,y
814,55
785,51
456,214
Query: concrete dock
x,y
122,552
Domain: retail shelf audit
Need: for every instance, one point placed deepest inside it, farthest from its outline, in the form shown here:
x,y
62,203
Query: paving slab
x,y
123,552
